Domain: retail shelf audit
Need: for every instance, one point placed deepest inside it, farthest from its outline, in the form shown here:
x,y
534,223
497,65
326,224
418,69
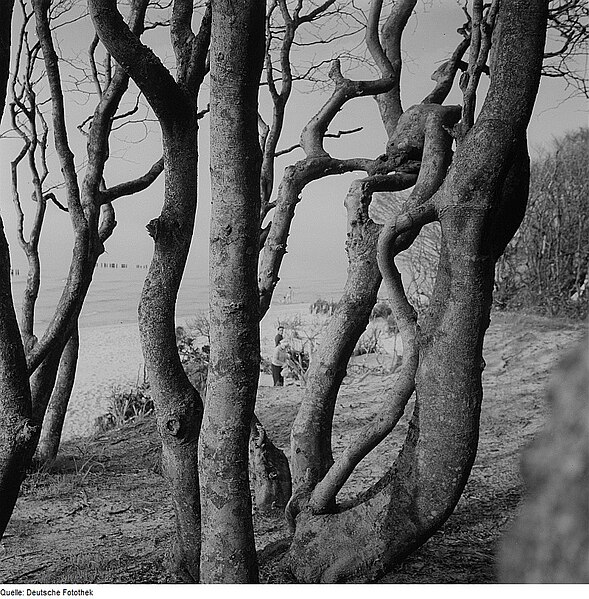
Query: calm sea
x,y
114,294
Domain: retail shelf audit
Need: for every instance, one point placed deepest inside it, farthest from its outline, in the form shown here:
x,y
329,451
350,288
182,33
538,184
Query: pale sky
x,y
319,228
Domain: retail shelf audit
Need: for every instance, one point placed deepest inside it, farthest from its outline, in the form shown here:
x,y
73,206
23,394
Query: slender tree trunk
x,y
56,410
311,455
237,42
178,405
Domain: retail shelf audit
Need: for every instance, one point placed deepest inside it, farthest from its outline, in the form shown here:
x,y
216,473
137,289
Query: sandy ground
x,y
110,358
105,515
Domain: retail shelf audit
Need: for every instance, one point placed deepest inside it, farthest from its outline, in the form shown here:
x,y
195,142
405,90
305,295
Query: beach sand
x,y
110,357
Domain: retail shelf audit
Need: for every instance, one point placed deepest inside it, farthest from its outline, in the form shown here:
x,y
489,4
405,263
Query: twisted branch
x,y
395,236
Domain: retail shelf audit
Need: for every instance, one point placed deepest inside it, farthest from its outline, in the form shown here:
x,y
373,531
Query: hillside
x,y
104,516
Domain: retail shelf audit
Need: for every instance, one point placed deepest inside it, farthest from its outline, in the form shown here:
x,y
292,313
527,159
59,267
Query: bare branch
x,y
345,89
151,76
389,103
480,46
337,135
51,196
91,54
107,196
395,236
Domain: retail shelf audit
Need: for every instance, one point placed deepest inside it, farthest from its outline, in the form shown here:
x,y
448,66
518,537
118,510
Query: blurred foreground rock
x,y
549,542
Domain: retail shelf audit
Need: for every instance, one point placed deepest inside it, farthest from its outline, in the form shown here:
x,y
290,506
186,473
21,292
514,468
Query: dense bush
x,y
545,267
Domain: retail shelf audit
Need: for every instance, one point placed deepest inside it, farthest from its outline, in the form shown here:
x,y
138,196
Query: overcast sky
x,y
318,235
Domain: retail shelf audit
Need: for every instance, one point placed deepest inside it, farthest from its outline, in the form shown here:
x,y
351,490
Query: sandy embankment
x,y
110,356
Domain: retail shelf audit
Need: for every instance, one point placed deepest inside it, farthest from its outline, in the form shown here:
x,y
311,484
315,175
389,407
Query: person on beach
x,y
279,358
279,336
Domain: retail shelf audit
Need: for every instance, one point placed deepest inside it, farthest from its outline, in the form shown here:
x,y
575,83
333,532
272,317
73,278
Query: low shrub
x,y
125,406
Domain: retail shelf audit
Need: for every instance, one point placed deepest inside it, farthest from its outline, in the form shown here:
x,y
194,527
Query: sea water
x,y
115,291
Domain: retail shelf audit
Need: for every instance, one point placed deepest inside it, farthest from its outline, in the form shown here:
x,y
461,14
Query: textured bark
x,y
6,9
50,438
178,405
549,541
237,42
17,429
422,488
389,103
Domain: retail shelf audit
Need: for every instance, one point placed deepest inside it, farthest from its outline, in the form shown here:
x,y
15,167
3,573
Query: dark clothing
x,y
277,376
278,339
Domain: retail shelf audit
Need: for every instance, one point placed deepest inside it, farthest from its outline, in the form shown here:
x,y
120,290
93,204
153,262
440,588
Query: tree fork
x,y
424,485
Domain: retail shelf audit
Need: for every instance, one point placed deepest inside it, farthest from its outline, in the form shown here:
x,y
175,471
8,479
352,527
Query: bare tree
x,y
92,218
16,427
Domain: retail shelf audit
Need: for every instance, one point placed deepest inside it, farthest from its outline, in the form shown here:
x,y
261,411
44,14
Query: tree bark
x,y
422,488
50,438
178,405
17,429
16,426
237,42
6,9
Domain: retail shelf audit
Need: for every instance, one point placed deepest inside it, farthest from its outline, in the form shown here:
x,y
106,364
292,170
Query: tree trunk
x,y
178,405
237,39
421,490
17,430
56,410
423,487
269,470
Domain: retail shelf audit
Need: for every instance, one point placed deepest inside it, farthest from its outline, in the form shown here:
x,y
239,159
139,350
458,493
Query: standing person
x,y
279,336
279,358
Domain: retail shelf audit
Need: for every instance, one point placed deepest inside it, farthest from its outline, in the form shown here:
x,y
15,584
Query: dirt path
x,y
105,517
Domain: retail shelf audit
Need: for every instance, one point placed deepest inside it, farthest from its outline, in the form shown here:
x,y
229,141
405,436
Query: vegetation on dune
x,y
545,267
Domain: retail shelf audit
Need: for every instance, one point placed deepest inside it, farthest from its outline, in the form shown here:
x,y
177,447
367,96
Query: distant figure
x,y
279,358
279,336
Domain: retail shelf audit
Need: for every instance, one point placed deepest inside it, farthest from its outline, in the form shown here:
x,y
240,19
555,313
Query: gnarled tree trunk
x,y
421,490
17,431
269,470
16,427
